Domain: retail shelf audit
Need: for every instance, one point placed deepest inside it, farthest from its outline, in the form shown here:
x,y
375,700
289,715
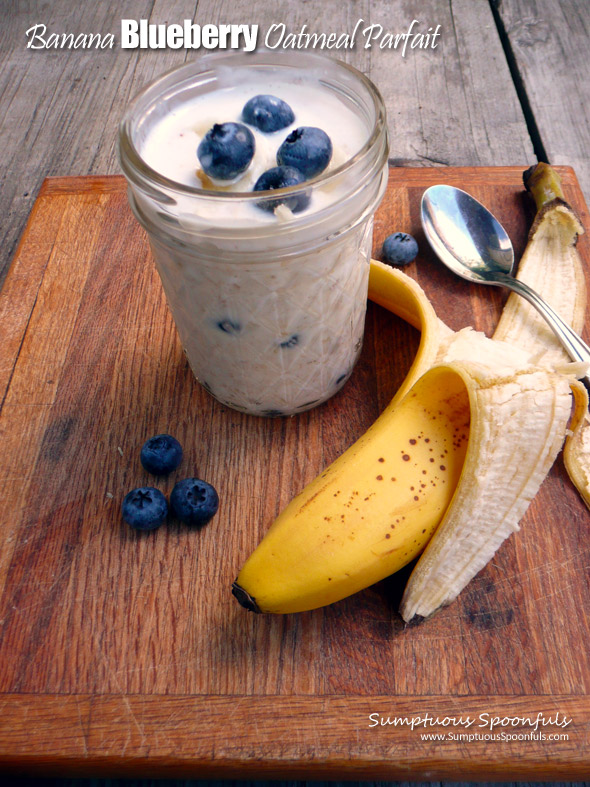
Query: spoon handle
x,y
577,349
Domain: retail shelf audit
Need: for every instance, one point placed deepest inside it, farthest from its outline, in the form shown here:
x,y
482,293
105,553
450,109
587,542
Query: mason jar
x,y
269,305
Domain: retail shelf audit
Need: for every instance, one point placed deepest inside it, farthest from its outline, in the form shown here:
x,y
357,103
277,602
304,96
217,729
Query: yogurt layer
x,y
170,147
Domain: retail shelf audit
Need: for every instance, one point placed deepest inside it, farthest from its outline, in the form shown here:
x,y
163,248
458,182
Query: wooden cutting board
x,y
126,653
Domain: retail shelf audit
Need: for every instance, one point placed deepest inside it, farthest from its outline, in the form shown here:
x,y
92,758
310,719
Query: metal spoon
x,y
474,245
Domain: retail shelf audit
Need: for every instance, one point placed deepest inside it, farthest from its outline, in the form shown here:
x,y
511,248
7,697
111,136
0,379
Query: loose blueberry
x,y
399,249
281,178
308,149
161,454
144,508
268,113
193,501
226,150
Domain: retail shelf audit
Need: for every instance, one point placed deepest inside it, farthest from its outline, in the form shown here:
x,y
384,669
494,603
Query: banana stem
x,y
245,599
544,184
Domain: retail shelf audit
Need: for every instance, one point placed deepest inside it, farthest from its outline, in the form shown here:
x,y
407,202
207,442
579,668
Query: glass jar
x,y
269,306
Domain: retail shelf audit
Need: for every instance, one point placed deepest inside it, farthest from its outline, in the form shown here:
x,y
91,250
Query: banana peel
x,y
551,265
517,428
520,388
576,453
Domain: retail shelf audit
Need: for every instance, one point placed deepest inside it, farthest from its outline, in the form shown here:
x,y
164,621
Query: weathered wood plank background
x,y
548,46
508,82
456,105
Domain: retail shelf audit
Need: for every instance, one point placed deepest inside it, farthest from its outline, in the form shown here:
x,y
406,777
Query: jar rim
x,y
133,164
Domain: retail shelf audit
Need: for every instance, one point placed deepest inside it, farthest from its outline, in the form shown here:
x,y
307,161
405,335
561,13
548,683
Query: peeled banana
x,y
453,462
372,511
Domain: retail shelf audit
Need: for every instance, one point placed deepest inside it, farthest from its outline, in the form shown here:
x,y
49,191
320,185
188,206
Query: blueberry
x,y
268,113
292,341
144,508
308,149
399,249
193,501
229,326
161,454
226,150
280,178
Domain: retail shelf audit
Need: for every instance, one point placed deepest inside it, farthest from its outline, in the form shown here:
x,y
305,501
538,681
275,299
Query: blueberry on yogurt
x,y
280,178
307,148
226,150
144,508
267,113
399,248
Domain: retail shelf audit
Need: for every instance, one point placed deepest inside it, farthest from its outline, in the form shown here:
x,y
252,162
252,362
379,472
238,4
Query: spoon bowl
x,y
470,241
465,235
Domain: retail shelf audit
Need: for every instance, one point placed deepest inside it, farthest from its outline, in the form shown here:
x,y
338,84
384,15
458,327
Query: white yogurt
x,y
269,307
171,145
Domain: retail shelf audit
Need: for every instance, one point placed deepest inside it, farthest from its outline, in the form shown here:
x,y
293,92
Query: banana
x,y
491,413
372,511
398,293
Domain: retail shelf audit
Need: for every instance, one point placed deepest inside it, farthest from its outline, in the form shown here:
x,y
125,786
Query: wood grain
x,y
442,106
286,737
128,649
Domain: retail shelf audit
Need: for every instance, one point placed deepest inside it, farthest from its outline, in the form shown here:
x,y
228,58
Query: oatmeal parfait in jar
x,y
256,178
